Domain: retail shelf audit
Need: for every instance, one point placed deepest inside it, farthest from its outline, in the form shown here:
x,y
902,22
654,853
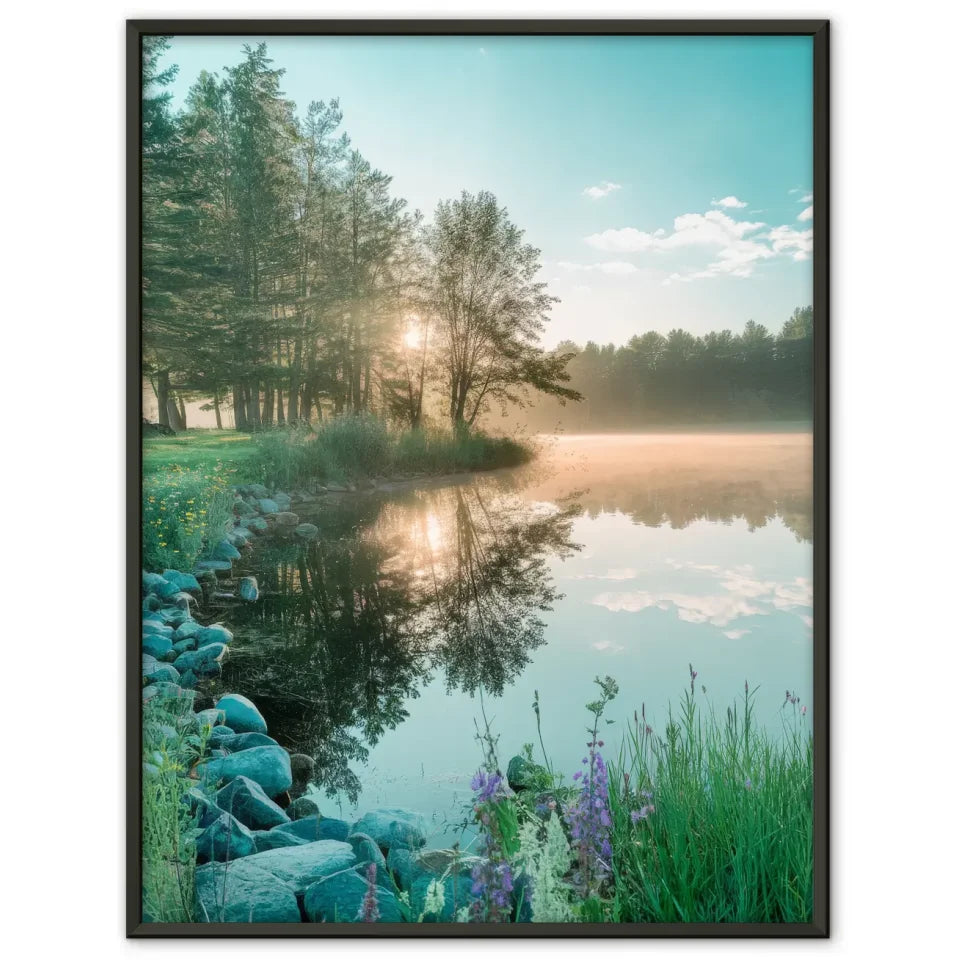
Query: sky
x,y
665,180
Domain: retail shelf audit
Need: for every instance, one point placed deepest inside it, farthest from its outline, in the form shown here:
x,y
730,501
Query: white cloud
x,y
617,573
606,645
601,190
786,239
735,634
483,51
612,267
806,198
581,288
806,213
730,203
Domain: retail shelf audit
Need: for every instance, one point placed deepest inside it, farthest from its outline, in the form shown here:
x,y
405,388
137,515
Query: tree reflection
x,y
351,627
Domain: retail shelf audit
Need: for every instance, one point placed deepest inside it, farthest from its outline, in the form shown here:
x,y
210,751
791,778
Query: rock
x,y
225,550
237,539
186,631
257,490
257,524
167,589
242,714
151,602
287,519
523,773
156,645
216,566
185,645
267,766
336,488
302,768
174,617
246,801
218,735
155,627
308,532
267,505
273,840
244,741
393,828
184,581
183,601
339,899
367,852
215,633
304,864
152,582
202,807
163,672
243,509
301,808
213,651
243,893
225,839
147,661
188,680
317,828
248,589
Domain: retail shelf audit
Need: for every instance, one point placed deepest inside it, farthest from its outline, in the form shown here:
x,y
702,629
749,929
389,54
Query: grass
x,y
171,745
196,449
730,835
353,448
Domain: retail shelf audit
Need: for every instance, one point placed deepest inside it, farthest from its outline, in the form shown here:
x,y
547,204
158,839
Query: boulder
x,y
287,519
202,807
266,505
393,828
215,633
242,714
148,661
243,893
157,628
267,766
187,630
162,672
150,602
174,617
339,899
218,735
225,550
244,741
317,828
210,717
301,808
246,801
185,645
308,532
183,601
367,852
167,589
243,509
257,490
225,839
184,581
152,582
523,773
306,863
216,566
248,589
156,645
273,840
188,679
213,651
257,524
302,768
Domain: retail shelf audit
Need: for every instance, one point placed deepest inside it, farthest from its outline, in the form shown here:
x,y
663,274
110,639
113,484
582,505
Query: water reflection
x,y
349,629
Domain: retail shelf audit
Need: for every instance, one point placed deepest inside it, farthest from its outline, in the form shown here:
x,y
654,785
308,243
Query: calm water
x,y
379,650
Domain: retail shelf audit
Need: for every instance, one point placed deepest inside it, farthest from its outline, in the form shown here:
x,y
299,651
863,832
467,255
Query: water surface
x,y
424,613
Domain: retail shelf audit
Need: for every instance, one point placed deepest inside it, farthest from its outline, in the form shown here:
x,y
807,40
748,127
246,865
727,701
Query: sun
x,y
413,338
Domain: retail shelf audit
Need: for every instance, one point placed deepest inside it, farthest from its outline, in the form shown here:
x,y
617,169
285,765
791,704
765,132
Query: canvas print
x,y
477,481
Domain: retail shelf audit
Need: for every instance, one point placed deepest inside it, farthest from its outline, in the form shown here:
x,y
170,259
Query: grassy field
x,y
199,448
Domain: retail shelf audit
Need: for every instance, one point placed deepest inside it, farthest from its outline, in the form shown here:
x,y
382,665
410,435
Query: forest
x,y
681,378
283,279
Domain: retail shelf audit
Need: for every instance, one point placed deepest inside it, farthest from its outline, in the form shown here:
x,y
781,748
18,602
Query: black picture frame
x,y
819,30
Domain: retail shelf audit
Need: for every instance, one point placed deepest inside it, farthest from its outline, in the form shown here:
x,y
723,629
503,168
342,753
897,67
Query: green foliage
x,y
730,835
356,447
545,858
183,511
193,449
171,745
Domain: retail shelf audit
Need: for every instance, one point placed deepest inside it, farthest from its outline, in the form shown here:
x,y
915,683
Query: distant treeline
x,y
681,378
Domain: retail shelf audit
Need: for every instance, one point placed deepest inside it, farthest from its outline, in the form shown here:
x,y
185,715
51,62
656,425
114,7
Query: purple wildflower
x,y
492,878
588,818
369,908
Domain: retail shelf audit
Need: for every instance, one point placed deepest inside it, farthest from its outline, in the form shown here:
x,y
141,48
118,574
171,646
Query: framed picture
x,y
478,478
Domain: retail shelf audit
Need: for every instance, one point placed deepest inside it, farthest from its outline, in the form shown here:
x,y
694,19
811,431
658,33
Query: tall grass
x,y
184,509
713,821
171,744
349,448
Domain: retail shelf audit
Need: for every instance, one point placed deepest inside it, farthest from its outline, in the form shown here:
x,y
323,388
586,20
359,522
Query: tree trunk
x,y
216,408
173,416
253,405
292,411
183,410
239,407
163,397
280,419
267,406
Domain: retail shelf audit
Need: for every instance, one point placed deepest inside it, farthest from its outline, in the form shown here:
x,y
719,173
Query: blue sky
x,y
666,181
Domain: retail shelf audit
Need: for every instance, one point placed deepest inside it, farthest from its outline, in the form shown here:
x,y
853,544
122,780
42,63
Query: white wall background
x,y
895,575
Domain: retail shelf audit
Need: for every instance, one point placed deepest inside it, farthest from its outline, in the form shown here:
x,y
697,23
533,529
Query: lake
x,y
422,611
